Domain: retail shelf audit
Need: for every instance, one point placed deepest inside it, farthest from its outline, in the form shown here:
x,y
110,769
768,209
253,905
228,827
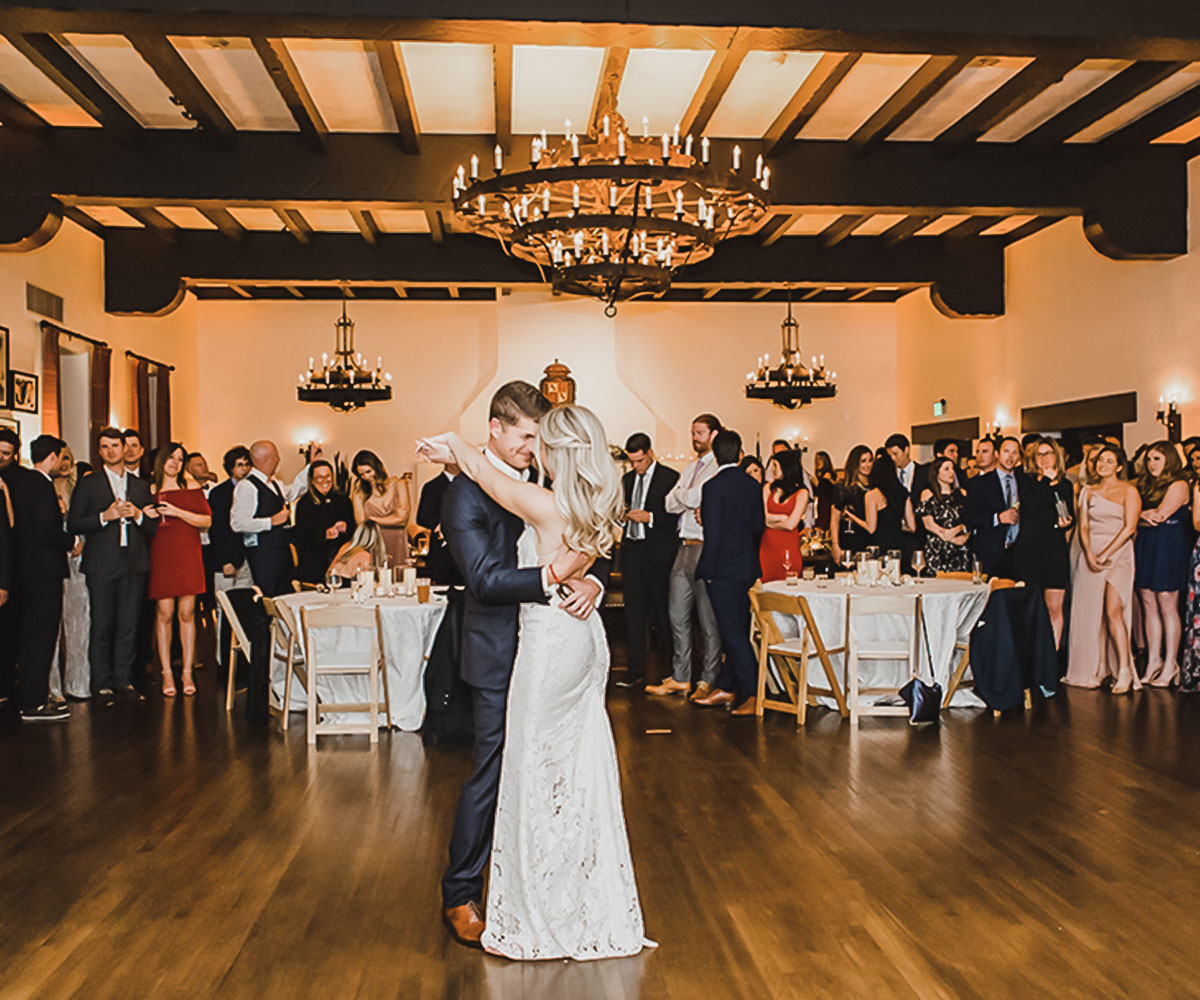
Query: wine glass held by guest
x,y
942,509
847,520
1102,583
324,523
176,560
364,550
383,499
1045,555
1162,552
785,501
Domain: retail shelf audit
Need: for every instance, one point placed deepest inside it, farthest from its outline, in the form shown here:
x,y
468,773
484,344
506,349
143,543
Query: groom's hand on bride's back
x,y
581,599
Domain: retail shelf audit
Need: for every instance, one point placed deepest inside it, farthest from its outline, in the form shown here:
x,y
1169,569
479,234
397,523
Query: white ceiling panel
x,y
392,220
873,79
1007,225
110,215
31,87
1131,111
877,224
469,106
941,224
345,82
186,217
552,84
760,90
118,67
811,225
967,89
329,220
1184,133
231,71
659,84
1079,82
259,219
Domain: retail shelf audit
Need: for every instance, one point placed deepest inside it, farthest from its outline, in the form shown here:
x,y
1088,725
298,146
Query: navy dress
x,y
1163,553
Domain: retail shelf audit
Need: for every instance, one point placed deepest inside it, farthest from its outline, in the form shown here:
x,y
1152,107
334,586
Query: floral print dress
x,y
947,511
1189,671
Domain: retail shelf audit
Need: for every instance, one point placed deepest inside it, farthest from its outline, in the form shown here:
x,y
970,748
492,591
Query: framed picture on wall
x,y
4,403
23,392
11,424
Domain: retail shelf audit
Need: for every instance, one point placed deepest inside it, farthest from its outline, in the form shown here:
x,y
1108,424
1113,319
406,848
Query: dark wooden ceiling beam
x,y
1178,111
366,225
502,70
840,228
295,224
66,73
1028,229
906,228
608,87
280,66
821,81
154,221
399,93
1110,95
170,67
16,114
721,70
225,223
1019,89
924,84
972,227
437,225
775,227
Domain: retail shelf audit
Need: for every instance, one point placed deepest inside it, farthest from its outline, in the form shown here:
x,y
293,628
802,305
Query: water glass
x,y
918,562
976,570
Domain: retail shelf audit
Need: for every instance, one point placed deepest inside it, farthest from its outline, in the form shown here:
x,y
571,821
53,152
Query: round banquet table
x,y
409,629
950,608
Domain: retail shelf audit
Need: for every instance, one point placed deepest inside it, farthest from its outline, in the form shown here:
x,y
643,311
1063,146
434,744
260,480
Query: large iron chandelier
x,y
790,382
612,215
344,382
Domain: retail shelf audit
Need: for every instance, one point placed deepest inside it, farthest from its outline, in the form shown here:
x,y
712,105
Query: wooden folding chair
x,y
285,645
962,647
904,648
371,666
791,656
239,641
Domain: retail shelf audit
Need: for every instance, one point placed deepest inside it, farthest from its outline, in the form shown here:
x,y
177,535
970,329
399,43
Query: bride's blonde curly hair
x,y
587,489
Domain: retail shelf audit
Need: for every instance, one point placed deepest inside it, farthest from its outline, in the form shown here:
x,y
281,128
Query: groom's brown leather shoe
x,y
465,923
745,708
715,697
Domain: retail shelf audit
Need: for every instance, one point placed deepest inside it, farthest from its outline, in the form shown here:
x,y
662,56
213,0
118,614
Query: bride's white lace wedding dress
x,y
561,883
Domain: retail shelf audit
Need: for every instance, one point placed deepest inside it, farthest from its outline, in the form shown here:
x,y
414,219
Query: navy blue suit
x,y
731,509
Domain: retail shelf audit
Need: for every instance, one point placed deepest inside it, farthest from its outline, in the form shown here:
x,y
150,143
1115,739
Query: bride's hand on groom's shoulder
x,y
436,449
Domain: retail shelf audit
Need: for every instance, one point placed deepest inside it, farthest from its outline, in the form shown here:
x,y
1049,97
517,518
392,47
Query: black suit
x,y
226,544
439,564
116,574
9,619
41,546
731,508
482,537
646,563
985,500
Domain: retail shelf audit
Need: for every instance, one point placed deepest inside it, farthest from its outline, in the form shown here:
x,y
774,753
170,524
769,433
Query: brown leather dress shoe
x,y
703,690
745,708
667,687
715,697
465,923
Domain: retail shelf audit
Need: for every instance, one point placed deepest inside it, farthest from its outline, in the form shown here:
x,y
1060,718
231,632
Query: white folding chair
x,y
369,664
239,641
285,646
791,656
859,611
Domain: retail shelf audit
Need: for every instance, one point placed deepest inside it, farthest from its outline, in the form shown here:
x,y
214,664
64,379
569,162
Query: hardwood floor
x,y
167,851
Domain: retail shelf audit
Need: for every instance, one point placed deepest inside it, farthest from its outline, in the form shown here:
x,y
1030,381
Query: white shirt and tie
x,y
1008,486
119,486
907,474
684,498
245,500
635,531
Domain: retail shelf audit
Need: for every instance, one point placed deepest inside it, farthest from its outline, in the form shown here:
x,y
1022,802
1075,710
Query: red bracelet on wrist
x,y
553,575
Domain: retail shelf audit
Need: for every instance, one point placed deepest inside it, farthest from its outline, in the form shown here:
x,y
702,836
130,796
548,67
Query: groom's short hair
x,y
518,399
727,446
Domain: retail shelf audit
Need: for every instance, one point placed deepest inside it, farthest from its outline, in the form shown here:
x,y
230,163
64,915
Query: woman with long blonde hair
x,y
562,883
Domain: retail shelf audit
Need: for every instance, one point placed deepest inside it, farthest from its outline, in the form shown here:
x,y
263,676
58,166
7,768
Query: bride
x,y
561,882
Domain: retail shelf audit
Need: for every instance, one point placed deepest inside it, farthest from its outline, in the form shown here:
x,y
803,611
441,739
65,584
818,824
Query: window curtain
x,y
144,417
162,420
101,365
51,417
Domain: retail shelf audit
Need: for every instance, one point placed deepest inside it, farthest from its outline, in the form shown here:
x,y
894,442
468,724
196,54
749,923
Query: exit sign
x,y
939,408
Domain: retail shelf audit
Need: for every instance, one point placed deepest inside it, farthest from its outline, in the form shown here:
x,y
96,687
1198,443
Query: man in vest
x,y
261,511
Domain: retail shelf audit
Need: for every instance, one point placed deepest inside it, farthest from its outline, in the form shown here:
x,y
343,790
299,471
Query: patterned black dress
x,y
1189,671
947,511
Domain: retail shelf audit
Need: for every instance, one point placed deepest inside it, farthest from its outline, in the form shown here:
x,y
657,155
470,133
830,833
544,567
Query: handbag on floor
x,y
924,700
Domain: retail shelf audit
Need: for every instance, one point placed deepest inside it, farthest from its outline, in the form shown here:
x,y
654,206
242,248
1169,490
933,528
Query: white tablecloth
x,y
409,629
950,608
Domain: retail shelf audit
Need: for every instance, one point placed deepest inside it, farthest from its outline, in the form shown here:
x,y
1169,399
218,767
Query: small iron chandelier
x,y
612,215
790,383
344,383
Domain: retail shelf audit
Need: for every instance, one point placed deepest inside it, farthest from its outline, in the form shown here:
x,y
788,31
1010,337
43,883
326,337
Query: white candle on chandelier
x,y
481,204
556,252
546,201
822,360
310,365
679,201
701,210
324,360
604,242
675,136
766,178
462,176
575,147
666,144
612,196
578,244
737,157
649,200
567,129
704,149
455,186
645,127
606,126
575,197
687,145
474,167
621,145
535,151
499,153
758,165
545,144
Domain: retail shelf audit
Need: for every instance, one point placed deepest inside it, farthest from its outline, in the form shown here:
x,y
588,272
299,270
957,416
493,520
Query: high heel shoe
x,y
1165,680
168,684
1153,672
189,685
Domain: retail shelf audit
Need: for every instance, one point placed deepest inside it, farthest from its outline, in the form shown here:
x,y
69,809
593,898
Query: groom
x,y
482,537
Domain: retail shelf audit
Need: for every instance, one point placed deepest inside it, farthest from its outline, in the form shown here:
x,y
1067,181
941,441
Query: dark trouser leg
x,y
40,606
9,628
635,583
270,569
102,597
660,589
731,606
131,598
471,842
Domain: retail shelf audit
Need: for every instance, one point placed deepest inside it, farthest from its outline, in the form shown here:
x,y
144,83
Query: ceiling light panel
x,y
468,107
329,220
264,220
33,89
1007,225
877,225
941,224
110,215
812,224
552,83
759,91
392,220
975,82
872,80
1131,111
232,72
345,82
185,217
120,69
659,84
1077,83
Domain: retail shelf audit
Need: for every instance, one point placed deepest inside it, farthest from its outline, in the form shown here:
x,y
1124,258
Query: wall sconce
x,y
1169,416
307,449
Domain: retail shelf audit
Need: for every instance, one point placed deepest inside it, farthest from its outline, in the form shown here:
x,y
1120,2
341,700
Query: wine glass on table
x,y
788,572
918,563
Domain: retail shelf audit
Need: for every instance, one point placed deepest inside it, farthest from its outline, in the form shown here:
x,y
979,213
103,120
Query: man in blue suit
x,y
482,537
732,512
